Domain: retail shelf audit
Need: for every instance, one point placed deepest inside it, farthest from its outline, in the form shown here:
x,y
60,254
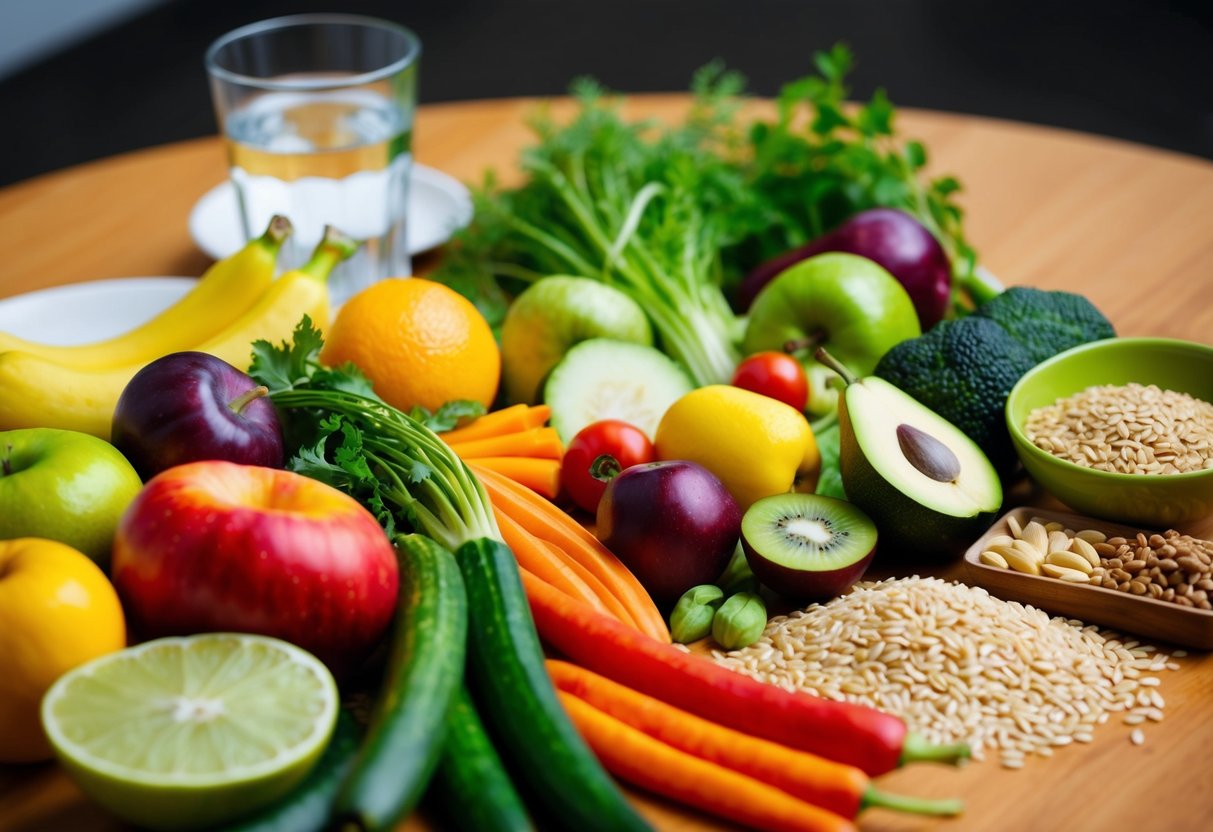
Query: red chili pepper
x,y
864,737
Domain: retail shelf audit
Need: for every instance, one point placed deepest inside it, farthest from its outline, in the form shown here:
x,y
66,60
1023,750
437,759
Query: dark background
x,y
1141,71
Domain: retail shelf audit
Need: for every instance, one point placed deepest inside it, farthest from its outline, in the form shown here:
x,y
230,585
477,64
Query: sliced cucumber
x,y
606,379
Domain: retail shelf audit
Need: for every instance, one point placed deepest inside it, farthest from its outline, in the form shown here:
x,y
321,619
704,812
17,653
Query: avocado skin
x,y
906,527
1046,323
963,370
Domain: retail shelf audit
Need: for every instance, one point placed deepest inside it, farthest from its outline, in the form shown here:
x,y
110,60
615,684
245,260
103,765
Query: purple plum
x,y
672,523
191,406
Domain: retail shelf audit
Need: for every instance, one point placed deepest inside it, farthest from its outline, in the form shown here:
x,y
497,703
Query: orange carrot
x,y
639,759
612,603
547,522
538,561
540,475
514,419
837,787
535,442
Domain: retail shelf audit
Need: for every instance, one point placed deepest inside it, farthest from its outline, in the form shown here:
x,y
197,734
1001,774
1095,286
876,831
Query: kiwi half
x,y
807,545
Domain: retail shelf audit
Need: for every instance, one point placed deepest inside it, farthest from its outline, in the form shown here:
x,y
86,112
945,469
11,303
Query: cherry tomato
x,y
626,442
774,374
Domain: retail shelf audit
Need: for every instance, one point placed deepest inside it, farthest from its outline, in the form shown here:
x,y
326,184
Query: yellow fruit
x,y
420,342
57,610
756,445
36,392
226,289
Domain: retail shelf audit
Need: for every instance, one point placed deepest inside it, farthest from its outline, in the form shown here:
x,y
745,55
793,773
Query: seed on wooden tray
x,y
1035,535
1069,560
1064,573
1137,736
1000,540
1029,550
994,559
1085,550
1057,541
1013,525
1021,562
1091,536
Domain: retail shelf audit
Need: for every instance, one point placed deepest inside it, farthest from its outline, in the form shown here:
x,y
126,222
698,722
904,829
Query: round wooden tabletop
x,y
1125,225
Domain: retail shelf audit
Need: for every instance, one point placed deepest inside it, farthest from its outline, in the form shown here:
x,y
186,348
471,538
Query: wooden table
x,y
1128,226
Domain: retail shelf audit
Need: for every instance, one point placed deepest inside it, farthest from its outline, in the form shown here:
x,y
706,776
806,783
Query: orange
x,y
57,611
420,343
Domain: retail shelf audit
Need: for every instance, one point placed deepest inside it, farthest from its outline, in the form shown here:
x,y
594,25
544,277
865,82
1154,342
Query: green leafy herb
x,y
340,433
447,416
674,216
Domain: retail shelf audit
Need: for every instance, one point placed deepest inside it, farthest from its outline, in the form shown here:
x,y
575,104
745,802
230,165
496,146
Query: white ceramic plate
x,y
80,313
439,205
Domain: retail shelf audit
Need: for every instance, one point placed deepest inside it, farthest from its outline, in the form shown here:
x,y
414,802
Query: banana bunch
x,y
236,302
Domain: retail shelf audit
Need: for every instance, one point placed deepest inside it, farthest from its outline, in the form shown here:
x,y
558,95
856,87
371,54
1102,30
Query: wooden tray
x,y
1120,611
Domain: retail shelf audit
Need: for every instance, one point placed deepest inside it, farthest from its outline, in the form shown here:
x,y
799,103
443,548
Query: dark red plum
x,y
894,240
672,523
190,407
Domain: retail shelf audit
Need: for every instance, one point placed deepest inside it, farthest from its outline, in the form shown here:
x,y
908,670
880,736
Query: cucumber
x,y
471,784
306,809
510,684
425,669
606,379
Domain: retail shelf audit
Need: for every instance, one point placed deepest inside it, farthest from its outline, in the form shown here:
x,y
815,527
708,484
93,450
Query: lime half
x,y
185,733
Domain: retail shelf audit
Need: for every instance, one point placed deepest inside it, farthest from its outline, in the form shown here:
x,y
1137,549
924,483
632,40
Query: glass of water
x,y
317,113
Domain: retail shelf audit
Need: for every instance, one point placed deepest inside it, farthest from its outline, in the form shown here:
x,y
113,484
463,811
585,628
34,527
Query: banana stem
x,y
334,247
276,233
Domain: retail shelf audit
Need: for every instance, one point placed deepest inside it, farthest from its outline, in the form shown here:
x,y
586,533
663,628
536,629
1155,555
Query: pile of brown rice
x,y
1129,429
960,665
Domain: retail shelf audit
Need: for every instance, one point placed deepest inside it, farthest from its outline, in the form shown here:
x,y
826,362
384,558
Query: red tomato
x,y
626,442
774,374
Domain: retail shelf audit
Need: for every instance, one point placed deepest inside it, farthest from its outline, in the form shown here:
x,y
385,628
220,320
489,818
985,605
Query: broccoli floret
x,y
1047,323
963,370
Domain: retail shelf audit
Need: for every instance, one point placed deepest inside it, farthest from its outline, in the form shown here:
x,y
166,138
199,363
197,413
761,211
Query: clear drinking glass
x,y
317,113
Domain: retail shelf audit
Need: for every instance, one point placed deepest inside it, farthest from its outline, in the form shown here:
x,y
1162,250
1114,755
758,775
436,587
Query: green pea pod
x,y
691,619
740,621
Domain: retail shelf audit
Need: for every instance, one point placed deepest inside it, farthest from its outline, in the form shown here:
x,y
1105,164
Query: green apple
x,y
65,486
840,301
554,314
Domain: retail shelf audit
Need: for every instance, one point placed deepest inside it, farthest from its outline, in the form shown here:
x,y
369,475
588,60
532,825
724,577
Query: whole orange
x,y
57,610
420,343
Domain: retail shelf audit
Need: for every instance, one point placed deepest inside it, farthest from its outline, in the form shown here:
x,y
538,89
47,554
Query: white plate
x,y
439,205
80,313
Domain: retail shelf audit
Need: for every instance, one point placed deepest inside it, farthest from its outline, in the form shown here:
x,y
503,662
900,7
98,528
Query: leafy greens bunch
x,y
674,215
390,461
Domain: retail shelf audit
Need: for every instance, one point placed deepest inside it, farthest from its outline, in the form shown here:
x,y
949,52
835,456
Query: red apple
x,y
216,546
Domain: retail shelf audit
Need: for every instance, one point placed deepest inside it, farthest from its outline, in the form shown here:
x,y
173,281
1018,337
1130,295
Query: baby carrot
x,y
840,788
547,522
639,759
538,561
540,475
543,443
514,419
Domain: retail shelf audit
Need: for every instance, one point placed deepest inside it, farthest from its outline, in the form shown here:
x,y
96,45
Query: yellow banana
x,y
224,291
38,392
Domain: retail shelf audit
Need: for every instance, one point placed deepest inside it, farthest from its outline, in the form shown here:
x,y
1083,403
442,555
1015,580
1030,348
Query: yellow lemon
x,y
57,610
755,445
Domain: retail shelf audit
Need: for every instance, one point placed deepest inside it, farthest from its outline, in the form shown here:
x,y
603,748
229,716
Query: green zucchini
x,y
306,809
471,784
511,686
425,669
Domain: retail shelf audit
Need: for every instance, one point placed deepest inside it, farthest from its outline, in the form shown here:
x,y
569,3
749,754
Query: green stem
x,y
904,803
333,248
242,401
917,750
6,462
834,364
275,233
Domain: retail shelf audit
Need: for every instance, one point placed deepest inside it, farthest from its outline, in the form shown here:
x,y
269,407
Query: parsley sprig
x,y
392,462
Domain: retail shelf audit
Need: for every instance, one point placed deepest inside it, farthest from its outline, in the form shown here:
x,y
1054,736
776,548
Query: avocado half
x,y
929,488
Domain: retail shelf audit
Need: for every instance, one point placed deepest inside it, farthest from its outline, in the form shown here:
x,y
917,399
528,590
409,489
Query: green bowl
x,y
1154,500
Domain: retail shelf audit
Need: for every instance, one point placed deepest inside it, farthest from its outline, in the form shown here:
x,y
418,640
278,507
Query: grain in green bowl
x,y
1127,429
